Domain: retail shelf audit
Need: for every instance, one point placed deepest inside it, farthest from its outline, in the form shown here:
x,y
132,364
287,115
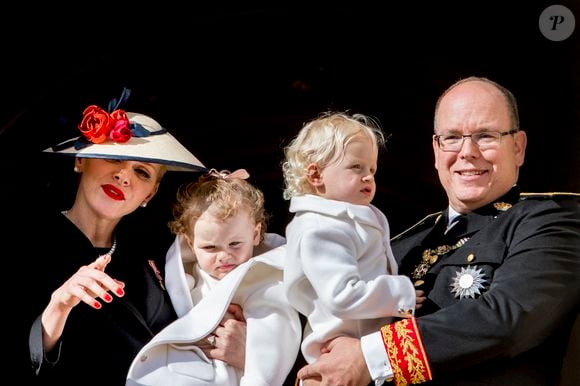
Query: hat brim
x,y
159,147
162,149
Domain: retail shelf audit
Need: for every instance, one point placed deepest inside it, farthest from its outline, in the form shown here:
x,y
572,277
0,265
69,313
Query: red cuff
x,y
405,349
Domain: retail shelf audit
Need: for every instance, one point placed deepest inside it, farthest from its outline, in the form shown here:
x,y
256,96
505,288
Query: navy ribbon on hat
x,y
81,142
114,104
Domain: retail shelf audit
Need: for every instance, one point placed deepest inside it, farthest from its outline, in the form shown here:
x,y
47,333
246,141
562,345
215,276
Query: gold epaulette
x,y
421,222
552,195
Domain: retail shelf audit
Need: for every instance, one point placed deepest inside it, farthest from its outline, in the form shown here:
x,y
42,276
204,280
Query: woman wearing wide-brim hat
x,y
99,294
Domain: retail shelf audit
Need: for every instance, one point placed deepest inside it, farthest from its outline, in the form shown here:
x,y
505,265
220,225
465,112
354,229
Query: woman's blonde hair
x,y
227,194
321,141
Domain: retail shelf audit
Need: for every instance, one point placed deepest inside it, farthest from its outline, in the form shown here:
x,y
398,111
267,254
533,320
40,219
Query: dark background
x,y
235,83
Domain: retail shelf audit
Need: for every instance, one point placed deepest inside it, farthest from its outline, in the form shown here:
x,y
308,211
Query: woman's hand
x,y
228,341
88,283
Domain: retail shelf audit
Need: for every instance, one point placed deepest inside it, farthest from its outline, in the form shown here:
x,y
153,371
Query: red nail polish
x,y
108,298
120,291
97,305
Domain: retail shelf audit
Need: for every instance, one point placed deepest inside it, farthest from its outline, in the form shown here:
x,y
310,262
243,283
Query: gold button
x,y
470,257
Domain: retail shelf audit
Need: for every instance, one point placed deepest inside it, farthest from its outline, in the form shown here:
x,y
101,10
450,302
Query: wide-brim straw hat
x,y
156,146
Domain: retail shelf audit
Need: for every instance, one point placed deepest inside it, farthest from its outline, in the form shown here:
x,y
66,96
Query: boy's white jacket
x,y
273,326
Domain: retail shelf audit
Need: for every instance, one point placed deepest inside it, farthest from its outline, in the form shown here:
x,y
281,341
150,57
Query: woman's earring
x,y
76,169
143,205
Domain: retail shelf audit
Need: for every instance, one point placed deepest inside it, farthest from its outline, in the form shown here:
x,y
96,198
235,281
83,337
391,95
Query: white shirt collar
x,y
452,215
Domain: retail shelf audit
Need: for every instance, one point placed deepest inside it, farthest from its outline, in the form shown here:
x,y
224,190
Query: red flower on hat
x,y
97,125
121,131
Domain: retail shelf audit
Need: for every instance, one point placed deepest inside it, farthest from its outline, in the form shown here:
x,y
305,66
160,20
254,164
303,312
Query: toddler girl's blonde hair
x,y
228,194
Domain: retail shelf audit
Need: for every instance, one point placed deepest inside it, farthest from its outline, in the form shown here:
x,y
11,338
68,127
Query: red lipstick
x,y
113,192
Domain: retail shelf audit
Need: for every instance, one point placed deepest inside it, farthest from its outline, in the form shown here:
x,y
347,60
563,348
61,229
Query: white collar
x,y
451,215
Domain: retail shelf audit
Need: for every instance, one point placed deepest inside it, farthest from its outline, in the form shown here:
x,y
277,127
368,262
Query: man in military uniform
x,y
500,269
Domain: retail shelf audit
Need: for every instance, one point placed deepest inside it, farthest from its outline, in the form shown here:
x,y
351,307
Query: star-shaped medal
x,y
467,282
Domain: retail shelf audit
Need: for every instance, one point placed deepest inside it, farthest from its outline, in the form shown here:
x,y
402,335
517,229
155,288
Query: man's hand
x,y
341,364
420,298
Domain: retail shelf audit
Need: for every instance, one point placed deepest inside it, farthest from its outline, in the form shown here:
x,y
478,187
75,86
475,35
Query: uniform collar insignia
x,y
502,206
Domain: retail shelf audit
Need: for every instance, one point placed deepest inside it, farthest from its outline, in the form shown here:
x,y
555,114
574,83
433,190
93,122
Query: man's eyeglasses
x,y
485,140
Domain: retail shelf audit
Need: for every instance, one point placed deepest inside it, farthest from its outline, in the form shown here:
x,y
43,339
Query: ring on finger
x,y
211,340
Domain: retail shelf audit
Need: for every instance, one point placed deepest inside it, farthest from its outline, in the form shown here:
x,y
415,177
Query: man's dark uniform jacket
x,y
503,289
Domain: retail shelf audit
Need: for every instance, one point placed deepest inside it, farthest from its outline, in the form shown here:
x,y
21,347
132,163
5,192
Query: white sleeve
x,y
376,358
273,332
